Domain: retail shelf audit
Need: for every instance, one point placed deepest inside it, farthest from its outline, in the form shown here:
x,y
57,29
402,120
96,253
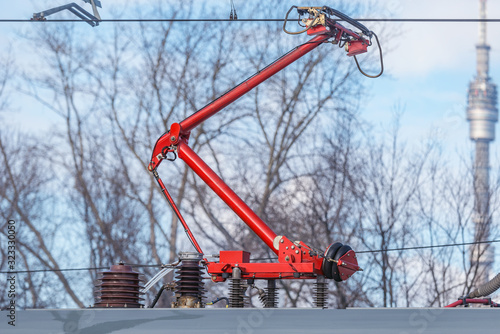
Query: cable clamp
x,y
165,153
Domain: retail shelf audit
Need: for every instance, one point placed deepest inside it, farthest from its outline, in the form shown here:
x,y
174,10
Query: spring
x,y
271,294
236,293
321,292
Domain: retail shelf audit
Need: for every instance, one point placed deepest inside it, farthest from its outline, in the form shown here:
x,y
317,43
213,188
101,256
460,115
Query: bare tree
x,y
23,194
112,111
294,149
6,72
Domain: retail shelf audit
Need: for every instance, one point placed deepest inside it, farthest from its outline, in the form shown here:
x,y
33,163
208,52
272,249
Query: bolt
x,y
282,241
287,258
286,247
303,252
297,251
172,138
348,254
293,247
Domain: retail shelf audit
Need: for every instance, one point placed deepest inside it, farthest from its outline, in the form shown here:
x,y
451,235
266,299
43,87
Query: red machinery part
x,y
296,259
300,264
356,47
339,262
347,265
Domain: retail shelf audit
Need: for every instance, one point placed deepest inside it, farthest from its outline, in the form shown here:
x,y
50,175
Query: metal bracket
x,y
93,20
95,4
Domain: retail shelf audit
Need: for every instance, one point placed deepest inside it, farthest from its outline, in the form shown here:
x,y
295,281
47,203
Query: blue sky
x,y
428,65
429,68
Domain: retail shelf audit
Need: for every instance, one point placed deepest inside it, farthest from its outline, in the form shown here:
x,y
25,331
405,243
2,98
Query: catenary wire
x,y
75,269
428,246
409,248
262,259
246,20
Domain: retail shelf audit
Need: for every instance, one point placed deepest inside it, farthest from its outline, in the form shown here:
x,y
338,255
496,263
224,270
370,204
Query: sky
x,y
428,69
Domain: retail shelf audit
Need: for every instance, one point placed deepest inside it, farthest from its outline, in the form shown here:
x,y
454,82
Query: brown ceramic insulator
x,y
189,279
119,288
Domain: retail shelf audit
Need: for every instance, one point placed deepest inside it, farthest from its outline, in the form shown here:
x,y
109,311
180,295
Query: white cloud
x,y
430,46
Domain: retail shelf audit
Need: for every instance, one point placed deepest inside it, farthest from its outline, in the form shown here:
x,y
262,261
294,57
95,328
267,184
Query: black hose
x,y
157,297
487,288
218,300
348,19
297,32
381,61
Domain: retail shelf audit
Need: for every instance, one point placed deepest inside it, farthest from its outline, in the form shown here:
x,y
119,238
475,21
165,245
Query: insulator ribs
x,y
119,287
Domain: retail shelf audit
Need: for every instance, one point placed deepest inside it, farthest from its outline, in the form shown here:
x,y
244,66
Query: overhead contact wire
x,y
262,259
427,247
246,20
74,269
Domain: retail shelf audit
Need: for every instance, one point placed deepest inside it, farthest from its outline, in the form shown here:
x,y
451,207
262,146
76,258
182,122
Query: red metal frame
x,y
296,259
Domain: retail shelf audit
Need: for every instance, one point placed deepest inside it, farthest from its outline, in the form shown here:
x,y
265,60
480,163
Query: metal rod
x,y
177,212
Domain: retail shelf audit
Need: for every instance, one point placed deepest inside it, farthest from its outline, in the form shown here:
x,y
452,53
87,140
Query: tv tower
x,y
482,113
